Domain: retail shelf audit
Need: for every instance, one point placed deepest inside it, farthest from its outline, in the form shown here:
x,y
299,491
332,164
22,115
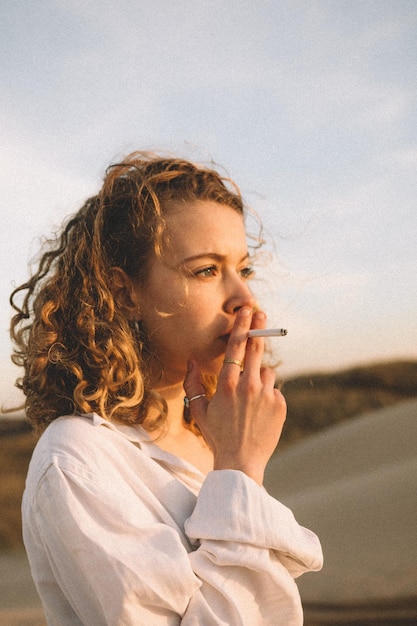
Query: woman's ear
x,y
125,293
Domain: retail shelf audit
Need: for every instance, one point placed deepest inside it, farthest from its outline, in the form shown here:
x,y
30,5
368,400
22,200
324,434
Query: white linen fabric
x,y
120,532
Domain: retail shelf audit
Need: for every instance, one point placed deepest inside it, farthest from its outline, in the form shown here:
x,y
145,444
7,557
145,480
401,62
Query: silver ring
x,y
188,400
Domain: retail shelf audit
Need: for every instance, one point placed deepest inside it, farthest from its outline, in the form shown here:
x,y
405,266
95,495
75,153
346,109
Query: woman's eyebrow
x,y
214,256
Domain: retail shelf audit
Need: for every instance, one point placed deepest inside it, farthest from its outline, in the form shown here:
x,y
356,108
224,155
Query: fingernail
x,y
259,315
245,311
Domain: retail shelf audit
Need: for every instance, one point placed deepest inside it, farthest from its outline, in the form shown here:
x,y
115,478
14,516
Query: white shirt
x,y
120,532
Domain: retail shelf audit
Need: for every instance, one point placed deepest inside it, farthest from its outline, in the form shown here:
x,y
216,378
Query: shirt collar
x,y
140,437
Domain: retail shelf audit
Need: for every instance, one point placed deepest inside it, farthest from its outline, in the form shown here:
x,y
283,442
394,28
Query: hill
x,y
315,402
354,484
318,401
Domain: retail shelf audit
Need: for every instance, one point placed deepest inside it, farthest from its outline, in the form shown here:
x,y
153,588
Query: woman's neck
x,y
174,397
175,437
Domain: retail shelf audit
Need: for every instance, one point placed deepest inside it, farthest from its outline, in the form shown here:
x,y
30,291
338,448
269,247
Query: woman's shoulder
x,y
82,443
108,460
68,431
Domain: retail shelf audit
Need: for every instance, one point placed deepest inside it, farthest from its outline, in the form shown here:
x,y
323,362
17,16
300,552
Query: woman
x,y
138,508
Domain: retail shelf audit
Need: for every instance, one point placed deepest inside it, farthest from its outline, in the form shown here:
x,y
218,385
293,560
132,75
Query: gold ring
x,y
234,361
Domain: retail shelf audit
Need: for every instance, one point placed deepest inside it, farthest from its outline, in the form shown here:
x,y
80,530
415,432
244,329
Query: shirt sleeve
x,y
116,561
251,548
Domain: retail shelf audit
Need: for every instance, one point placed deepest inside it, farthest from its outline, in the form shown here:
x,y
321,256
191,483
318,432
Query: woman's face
x,y
190,299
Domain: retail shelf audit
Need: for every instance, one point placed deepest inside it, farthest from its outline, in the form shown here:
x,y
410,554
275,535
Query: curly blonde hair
x,y
79,351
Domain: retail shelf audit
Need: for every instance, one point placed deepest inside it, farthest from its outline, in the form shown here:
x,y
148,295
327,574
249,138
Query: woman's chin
x,y
213,367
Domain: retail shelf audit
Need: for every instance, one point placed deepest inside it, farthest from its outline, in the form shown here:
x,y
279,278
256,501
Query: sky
x,y
309,105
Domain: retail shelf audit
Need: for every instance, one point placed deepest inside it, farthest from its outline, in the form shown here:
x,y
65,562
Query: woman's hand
x,y
243,421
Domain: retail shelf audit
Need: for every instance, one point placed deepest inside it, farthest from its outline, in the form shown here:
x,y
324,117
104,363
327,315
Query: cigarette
x,y
268,332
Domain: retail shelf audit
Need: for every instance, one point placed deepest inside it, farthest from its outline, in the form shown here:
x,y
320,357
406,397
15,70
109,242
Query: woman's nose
x,y
239,296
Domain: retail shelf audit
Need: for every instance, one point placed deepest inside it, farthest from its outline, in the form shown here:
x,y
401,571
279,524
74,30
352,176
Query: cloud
x,y
36,189
404,157
171,46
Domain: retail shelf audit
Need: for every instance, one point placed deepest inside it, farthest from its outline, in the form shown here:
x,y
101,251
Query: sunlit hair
x,y
79,350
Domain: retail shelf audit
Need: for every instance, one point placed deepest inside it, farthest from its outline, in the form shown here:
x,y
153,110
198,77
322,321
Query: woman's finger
x,y
255,346
236,346
268,377
195,398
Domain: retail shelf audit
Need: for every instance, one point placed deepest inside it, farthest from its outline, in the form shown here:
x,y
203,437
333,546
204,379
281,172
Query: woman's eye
x,y
213,270
247,272
206,272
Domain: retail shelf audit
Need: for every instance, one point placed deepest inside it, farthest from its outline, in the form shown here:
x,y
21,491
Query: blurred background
x,y
309,105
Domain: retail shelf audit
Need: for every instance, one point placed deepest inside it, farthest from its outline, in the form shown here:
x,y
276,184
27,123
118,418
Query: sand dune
x,y
19,602
22,617
355,485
